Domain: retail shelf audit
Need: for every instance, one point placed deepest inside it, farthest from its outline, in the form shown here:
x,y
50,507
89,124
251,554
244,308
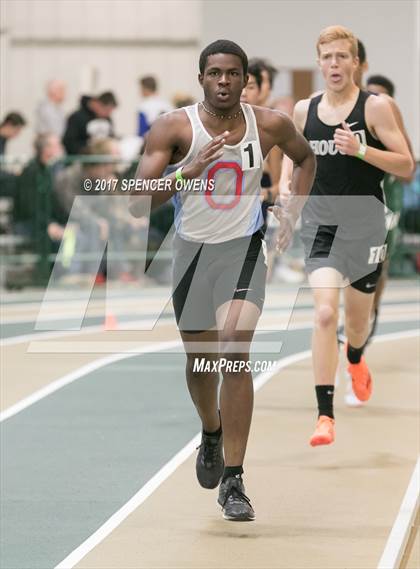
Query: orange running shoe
x,y
324,433
361,379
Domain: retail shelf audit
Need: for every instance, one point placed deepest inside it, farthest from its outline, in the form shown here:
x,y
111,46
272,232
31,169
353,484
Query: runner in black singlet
x,y
356,139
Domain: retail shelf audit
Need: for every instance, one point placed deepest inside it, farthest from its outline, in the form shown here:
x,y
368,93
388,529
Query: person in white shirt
x,y
50,117
152,104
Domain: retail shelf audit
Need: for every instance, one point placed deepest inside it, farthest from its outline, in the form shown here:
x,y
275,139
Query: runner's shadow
x,y
256,531
242,530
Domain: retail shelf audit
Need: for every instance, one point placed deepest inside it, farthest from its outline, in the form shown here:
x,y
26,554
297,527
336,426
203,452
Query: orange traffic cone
x,y
111,322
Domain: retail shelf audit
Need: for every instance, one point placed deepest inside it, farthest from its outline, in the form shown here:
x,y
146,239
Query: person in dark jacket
x,y
34,204
37,215
91,121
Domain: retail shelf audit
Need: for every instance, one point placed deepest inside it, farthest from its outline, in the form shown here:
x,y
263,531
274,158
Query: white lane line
x,y
82,371
153,484
395,336
116,519
13,340
262,378
102,362
163,474
124,325
310,323
39,336
398,538
98,312
77,374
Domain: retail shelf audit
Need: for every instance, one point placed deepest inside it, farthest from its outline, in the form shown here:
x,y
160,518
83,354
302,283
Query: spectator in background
x,y
50,116
91,121
10,127
97,215
152,104
180,100
69,182
34,209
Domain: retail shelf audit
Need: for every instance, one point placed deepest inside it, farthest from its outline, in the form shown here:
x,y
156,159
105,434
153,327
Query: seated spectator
x,y
36,216
97,214
92,121
49,113
10,127
152,104
34,207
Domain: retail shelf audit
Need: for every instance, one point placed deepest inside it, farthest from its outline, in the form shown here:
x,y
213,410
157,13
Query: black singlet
x,y
341,175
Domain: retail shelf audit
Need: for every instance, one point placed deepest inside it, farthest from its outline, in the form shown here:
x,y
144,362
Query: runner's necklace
x,y
229,117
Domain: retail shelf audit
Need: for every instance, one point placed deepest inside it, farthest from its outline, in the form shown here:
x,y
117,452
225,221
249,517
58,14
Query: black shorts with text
x,y
357,260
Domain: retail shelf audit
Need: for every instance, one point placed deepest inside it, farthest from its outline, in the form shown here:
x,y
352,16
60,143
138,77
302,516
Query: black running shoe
x,y
236,506
210,464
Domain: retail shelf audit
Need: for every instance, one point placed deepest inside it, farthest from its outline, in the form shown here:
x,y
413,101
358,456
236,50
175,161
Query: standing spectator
x,y
91,121
49,113
10,127
152,104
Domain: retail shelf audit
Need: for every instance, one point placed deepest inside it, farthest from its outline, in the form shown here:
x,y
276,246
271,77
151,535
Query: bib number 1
x,y
250,155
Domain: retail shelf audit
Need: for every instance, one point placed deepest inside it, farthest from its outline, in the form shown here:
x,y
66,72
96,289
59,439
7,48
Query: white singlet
x,y
233,208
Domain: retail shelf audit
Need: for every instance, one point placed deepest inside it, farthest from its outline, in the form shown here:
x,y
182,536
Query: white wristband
x,y
362,151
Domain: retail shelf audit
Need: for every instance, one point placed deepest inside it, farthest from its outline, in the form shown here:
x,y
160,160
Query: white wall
x,y
286,32
117,41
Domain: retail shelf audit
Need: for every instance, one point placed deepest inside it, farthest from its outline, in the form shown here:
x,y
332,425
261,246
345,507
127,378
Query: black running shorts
x,y
358,260
207,275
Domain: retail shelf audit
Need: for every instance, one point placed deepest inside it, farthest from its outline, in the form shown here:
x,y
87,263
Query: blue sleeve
x,y
143,125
